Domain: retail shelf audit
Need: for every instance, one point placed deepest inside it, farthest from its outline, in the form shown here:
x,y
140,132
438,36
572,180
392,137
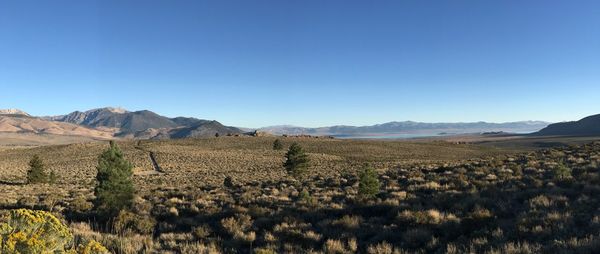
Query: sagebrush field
x,y
232,195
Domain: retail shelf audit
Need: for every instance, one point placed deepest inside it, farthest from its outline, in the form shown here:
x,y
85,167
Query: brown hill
x,y
33,125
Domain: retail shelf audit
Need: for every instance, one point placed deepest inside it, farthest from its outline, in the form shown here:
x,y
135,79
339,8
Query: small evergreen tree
x,y
368,185
296,162
114,189
277,145
36,173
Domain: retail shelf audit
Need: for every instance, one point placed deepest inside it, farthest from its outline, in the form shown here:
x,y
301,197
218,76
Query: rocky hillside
x,y
203,129
589,126
200,129
145,124
127,122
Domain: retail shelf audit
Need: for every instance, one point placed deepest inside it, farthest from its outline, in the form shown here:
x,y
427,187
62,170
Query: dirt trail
x,y
156,168
154,163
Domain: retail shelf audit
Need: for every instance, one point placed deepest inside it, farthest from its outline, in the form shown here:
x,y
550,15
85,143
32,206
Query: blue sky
x,y
309,63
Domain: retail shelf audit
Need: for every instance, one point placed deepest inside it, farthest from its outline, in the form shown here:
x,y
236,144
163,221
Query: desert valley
x,y
201,187
299,127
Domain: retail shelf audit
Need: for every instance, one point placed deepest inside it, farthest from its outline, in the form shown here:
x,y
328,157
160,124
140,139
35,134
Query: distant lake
x,y
390,136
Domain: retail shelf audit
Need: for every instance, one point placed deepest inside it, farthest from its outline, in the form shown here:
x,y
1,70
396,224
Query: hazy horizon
x,y
309,63
276,125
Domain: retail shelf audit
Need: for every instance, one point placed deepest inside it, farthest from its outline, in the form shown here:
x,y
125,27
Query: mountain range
x,y
410,128
145,124
108,123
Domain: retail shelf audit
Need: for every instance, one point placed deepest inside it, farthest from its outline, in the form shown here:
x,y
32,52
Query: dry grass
x,y
435,197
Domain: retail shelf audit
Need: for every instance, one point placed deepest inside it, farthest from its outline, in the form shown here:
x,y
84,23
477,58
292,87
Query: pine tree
x,y
368,185
277,145
296,162
36,173
114,189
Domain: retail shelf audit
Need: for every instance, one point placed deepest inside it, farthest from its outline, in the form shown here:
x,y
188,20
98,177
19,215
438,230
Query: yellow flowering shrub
x,y
27,231
92,247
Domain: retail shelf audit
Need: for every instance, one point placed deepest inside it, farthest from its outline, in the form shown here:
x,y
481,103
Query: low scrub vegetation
x,y
277,145
234,195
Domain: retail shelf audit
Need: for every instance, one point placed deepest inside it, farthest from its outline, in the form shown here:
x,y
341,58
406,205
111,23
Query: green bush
x,y
368,185
131,222
305,197
114,189
296,162
81,204
561,172
36,172
52,178
277,145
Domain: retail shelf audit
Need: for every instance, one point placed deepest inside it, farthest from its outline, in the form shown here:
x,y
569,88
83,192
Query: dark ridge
x,y
589,126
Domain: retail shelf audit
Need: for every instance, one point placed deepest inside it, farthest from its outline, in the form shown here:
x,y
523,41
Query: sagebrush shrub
x,y
305,197
202,231
132,222
277,145
239,223
332,246
561,172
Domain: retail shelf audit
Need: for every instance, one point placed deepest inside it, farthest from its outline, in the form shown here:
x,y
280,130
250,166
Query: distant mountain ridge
x,y
127,122
410,127
145,124
588,126
13,111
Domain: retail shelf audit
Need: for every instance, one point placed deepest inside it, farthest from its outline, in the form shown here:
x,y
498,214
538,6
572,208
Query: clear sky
x,y
310,63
